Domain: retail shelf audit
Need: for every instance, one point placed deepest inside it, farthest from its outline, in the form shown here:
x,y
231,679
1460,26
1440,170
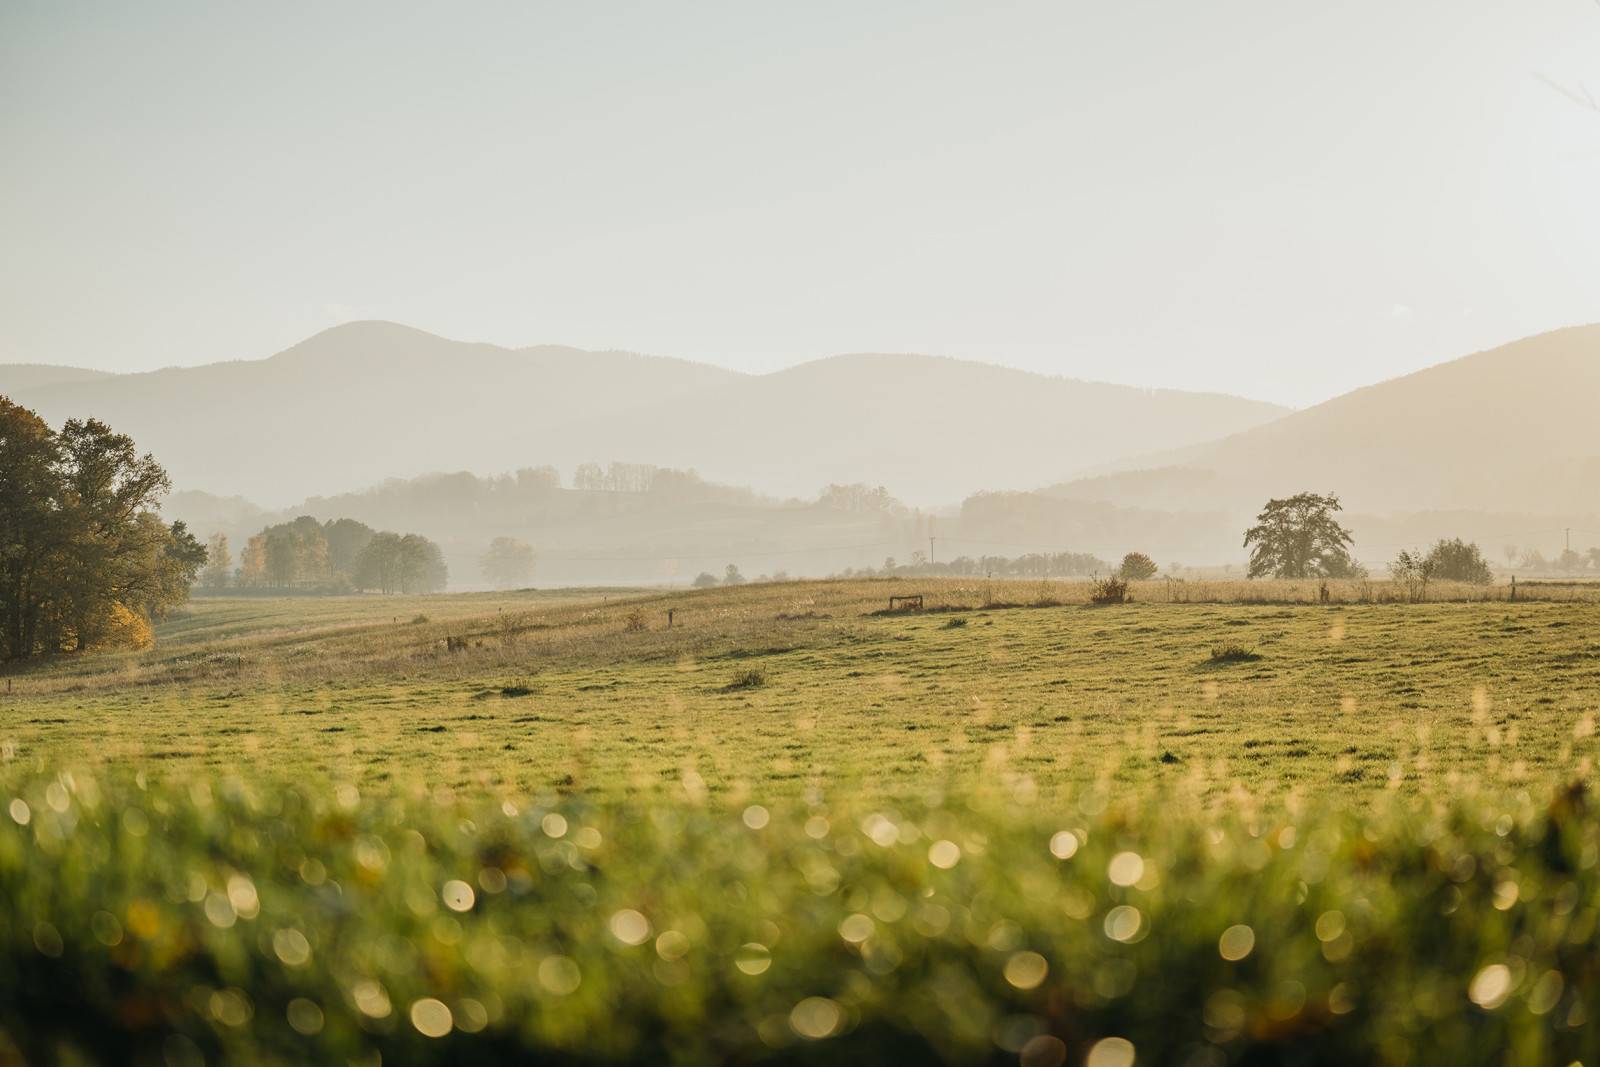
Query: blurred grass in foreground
x,y
209,920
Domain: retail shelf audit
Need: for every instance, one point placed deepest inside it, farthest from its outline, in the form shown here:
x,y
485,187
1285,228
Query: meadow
x,y
1224,823
780,689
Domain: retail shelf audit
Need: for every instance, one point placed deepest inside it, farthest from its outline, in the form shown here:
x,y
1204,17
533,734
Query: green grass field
x,y
779,689
1224,824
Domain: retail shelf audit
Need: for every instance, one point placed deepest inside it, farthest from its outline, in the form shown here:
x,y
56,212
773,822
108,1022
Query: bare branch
x,y
1579,95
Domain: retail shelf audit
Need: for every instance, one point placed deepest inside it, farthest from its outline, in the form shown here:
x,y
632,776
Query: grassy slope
x,y
1343,697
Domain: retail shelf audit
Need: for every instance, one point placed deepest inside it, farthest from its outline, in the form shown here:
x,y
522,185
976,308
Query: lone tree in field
x,y
85,560
1137,567
1299,537
508,564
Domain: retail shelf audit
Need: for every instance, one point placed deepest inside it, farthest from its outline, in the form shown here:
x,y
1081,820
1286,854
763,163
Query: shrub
x,y
1137,567
1458,561
1412,571
1233,652
125,629
633,622
749,678
705,580
1111,590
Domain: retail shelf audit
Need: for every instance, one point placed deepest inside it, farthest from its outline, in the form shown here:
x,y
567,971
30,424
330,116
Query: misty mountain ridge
x,y
24,376
1488,447
369,401
1511,429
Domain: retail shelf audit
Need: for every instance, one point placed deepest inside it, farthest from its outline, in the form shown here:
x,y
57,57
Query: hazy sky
x,y
1279,198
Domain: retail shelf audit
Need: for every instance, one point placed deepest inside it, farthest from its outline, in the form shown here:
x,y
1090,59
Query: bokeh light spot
x,y
431,1017
1111,1052
1236,942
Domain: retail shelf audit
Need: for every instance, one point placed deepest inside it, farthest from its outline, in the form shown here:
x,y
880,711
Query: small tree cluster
x,y
645,478
339,554
858,498
1447,561
731,575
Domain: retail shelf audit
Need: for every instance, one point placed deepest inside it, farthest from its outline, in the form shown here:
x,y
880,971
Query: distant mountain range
x,y
1502,447
373,400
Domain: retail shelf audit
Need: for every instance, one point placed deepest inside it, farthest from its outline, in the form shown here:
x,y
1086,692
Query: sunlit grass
x,y
206,919
570,695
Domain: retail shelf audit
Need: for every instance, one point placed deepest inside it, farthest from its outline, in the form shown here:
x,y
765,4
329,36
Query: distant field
x,y
780,689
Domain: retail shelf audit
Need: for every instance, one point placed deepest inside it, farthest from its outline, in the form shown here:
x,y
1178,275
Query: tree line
x,y
1567,561
1031,565
340,555
85,558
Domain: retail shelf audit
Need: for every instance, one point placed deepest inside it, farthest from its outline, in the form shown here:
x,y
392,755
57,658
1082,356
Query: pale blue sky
x,y
1278,198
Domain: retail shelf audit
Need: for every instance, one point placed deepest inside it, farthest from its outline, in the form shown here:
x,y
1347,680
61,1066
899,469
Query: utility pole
x,y
930,548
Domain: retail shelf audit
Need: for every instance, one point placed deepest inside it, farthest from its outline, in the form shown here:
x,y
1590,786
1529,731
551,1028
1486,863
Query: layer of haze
x,y
1279,199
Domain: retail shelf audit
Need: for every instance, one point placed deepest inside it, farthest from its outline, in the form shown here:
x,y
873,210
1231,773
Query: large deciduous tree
x,y
378,566
1298,537
345,539
422,566
84,557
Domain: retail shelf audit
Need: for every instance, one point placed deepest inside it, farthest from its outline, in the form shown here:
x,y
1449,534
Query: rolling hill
x,y
1514,429
367,401
931,429
27,376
